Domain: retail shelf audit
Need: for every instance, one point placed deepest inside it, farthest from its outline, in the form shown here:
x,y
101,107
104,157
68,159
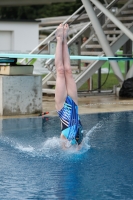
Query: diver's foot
x,y
66,29
59,32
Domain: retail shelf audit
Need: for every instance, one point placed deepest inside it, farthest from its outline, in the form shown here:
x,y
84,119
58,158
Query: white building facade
x,y
22,36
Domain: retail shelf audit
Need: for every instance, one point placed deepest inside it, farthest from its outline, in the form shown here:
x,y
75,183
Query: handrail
x,y
53,33
84,28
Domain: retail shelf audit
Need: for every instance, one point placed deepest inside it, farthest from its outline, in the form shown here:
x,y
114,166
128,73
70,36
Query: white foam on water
x,y
93,129
52,147
51,143
16,145
22,148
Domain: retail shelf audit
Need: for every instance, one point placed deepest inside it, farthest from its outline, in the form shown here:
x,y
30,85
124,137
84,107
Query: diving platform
x,y
20,95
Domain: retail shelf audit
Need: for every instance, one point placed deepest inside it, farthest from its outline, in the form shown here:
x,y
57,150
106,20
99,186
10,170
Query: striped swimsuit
x,y
71,126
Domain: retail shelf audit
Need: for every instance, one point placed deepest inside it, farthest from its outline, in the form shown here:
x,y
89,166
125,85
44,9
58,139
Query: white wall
x,y
18,36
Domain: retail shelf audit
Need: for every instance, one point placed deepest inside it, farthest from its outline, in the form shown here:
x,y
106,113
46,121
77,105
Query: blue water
x,y
34,166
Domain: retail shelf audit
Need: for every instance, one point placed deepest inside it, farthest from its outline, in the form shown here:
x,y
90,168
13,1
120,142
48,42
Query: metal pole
x,y
99,80
127,49
102,38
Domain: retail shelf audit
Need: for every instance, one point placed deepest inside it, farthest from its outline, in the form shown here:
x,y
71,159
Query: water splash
x,y
22,148
50,148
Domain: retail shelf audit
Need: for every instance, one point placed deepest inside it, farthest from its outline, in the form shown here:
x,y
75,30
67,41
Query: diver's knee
x,y
60,70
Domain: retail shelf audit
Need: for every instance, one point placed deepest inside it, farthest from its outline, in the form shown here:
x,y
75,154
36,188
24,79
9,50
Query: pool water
x,y
34,166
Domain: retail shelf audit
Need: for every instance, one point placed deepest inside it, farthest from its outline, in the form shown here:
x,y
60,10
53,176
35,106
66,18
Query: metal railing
x,y
51,37
79,34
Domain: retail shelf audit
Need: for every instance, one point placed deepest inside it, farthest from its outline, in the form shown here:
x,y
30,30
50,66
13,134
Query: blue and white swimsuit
x,y
71,126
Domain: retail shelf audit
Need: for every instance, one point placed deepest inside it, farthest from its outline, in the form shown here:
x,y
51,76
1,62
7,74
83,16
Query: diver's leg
x,y
70,82
60,89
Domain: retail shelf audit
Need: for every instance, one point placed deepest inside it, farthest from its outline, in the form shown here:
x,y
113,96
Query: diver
x,y
66,99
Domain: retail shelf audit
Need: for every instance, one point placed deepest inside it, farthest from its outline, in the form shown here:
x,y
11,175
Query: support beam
x,y
102,38
129,73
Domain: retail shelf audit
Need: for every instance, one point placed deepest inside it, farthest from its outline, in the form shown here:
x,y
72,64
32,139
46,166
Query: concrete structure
x,y
20,95
18,35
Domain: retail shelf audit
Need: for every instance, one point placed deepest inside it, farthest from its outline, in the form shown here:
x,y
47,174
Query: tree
x,y
40,11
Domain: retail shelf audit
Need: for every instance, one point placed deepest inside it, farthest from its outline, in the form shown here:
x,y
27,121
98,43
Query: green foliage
x,y
18,13
39,11
111,81
31,62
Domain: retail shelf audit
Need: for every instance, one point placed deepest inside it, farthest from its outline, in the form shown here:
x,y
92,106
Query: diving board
x,y
75,57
